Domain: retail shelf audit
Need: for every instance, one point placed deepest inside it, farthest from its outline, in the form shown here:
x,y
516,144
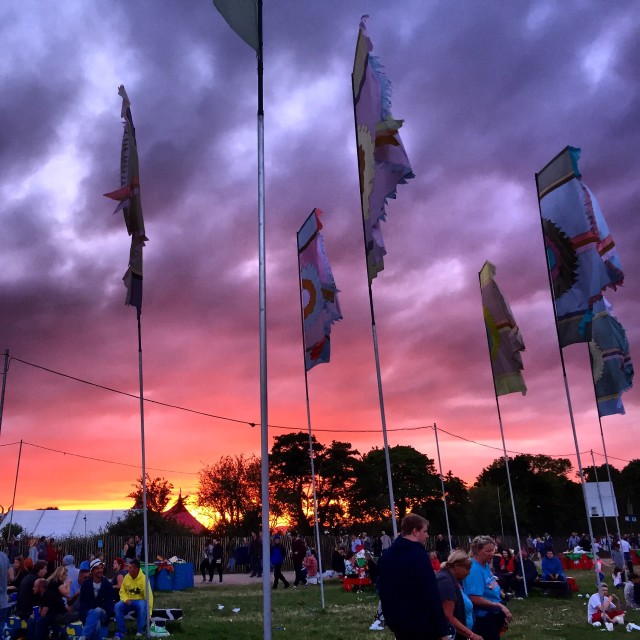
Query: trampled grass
x,y
298,615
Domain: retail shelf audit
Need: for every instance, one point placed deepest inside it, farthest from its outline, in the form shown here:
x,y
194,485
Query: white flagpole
x,y
604,518
4,384
306,390
15,486
444,495
506,464
145,531
262,302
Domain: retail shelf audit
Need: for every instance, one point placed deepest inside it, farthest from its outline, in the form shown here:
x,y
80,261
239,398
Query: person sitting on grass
x,y
632,591
530,574
310,563
133,595
605,609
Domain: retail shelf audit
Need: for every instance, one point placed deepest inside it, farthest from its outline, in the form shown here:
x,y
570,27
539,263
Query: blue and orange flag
x,y
610,360
581,254
130,204
503,336
318,292
382,159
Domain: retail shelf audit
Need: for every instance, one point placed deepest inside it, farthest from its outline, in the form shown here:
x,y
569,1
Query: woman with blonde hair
x,y
456,605
483,590
58,580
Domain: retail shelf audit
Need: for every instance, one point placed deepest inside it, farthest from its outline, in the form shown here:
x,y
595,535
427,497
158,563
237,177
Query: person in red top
x,y
435,562
507,571
51,556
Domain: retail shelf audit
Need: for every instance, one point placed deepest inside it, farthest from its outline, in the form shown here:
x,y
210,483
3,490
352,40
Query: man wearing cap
x,y
133,593
96,601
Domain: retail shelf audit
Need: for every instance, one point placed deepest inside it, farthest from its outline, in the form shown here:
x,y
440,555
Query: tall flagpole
x,y
145,530
506,463
4,384
262,301
313,472
604,517
444,495
15,486
566,389
606,459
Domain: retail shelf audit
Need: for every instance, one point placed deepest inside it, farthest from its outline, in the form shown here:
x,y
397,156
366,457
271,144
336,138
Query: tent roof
x,y
62,523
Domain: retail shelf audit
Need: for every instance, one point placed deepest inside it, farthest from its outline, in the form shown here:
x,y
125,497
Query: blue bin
x,y
164,580
183,576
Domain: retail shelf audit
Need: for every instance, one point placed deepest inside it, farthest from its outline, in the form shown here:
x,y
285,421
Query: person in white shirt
x,y
604,609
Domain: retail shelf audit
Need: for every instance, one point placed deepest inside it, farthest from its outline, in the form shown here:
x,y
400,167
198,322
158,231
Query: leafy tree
x,y
229,491
290,477
415,484
335,470
132,524
158,494
627,489
546,499
16,530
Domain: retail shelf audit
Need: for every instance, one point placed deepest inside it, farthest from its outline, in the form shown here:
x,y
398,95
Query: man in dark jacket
x,y
298,553
408,588
255,555
96,602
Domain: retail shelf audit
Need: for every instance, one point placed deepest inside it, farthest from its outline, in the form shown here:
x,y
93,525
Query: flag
x,y
610,360
503,336
128,196
318,292
242,17
382,159
581,255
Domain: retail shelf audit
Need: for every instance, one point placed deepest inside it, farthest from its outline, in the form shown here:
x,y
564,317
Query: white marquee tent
x,y
63,523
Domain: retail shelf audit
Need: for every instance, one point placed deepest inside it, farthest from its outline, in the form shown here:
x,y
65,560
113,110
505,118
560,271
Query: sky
x,y
489,92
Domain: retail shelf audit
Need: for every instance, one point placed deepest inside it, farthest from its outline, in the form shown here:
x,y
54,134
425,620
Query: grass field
x,y
298,615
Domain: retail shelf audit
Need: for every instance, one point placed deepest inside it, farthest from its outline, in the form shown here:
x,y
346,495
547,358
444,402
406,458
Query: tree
x,y
546,499
415,484
133,524
290,477
158,494
15,529
229,491
335,470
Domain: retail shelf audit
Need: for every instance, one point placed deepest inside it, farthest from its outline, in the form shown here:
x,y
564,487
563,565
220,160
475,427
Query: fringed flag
x,y
128,196
581,256
503,336
242,17
318,292
382,159
610,360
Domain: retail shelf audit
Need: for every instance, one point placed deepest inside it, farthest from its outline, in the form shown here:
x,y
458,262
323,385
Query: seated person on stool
x,y
133,598
552,569
530,574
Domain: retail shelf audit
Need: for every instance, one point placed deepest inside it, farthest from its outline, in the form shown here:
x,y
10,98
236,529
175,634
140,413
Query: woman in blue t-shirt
x,y
484,591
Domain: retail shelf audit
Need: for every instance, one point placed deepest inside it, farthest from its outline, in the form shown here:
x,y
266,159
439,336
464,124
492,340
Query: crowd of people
x,y
53,592
466,596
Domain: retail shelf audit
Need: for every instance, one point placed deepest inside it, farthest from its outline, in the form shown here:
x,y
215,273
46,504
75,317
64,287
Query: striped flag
x,y
503,336
242,17
382,159
318,292
581,255
610,360
130,204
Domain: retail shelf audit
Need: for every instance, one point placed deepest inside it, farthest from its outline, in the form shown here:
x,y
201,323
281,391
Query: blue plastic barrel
x,y
164,580
183,576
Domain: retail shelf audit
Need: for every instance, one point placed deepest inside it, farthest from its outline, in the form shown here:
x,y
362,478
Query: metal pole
x,y
4,384
604,518
383,420
144,478
262,303
444,496
500,511
15,486
306,391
